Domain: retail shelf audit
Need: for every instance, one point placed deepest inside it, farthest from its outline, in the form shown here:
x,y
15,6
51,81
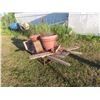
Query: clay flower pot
x,y
48,42
34,37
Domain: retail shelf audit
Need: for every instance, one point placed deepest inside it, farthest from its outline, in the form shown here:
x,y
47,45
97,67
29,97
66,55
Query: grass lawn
x,y
18,70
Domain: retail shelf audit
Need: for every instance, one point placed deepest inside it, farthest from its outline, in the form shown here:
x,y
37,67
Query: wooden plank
x,y
75,52
57,48
61,54
25,45
70,49
58,60
40,55
38,46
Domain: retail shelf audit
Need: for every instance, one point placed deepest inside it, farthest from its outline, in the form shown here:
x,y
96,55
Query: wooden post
x,y
70,49
58,60
75,52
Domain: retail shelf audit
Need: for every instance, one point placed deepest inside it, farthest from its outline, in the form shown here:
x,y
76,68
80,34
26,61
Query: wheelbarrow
x,y
37,52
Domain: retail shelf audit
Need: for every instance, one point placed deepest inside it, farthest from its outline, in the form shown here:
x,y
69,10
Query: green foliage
x,y
30,31
11,33
43,29
89,36
7,19
65,33
62,31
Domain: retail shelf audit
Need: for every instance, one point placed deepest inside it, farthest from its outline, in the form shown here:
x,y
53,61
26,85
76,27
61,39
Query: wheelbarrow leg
x,y
44,61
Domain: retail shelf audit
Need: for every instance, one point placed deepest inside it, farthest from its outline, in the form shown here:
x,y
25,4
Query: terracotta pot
x,y
34,37
48,42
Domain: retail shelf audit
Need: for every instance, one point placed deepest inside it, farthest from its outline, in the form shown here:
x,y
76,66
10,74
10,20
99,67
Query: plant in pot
x,y
34,33
48,38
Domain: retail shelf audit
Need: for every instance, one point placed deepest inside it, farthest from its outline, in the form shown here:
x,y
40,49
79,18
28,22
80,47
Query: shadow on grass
x,y
18,43
88,62
59,73
55,70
